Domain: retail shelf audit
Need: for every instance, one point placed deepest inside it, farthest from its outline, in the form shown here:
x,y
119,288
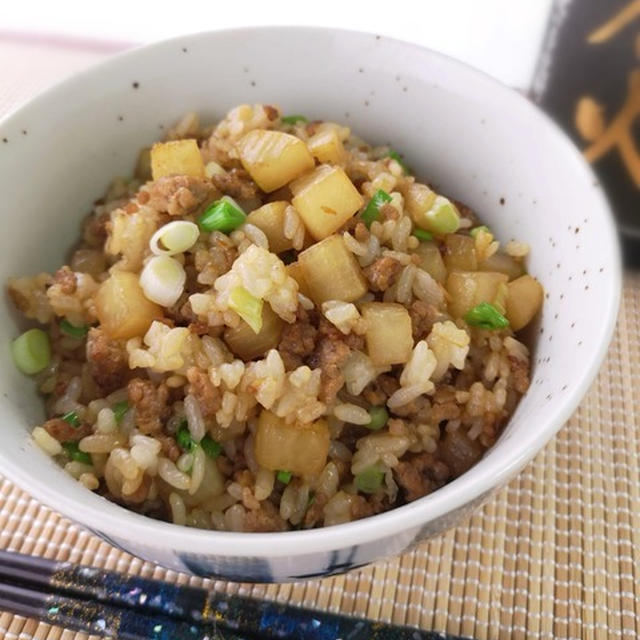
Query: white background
x,y
501,37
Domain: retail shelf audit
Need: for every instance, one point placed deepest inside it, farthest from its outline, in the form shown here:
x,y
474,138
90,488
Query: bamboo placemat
x,y
556,554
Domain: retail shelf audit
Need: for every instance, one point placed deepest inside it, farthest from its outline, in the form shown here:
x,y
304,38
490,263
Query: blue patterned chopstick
x,y
189,605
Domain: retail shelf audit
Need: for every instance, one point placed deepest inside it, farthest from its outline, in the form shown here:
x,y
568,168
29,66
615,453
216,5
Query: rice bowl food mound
x,y
274,326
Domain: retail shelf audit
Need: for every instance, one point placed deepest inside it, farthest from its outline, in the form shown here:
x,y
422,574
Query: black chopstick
x,y
153,598
103,619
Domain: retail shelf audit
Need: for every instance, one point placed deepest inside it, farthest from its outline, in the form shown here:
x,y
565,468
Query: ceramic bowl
x,y
475,139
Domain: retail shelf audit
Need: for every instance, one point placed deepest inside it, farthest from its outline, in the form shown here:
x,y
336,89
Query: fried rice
x,y
325,409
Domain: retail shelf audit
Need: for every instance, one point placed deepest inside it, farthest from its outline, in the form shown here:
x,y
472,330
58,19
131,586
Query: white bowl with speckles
x,y
474,138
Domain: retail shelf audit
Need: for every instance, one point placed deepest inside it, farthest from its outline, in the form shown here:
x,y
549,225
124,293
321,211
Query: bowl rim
x,y
480,480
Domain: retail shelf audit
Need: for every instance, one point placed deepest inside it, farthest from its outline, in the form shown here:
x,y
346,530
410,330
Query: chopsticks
x,y
101,618
132,608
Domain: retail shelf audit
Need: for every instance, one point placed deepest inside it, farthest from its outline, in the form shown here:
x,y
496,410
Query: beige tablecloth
x,y
554,555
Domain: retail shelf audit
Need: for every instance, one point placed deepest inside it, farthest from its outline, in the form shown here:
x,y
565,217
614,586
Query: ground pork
x,y
206,394
211,263
66,280
520,373
297,343
458,452
272,112
418,409
315,512
264,519
107,361
329,355
62,431
179,195
363,507
423,317
150,404
361,232
170,448
236,183
199,328
412,477
378,392
327,330
445,406
388,212
382,273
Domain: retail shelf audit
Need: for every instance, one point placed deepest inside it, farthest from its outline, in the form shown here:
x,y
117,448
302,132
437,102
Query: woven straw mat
x,y
556,554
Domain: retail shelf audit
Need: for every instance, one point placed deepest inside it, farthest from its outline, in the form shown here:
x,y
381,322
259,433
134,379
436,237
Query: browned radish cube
x,y
332,272
460,253
270,219
388,335
122,308
299,448
469,288
176,157
273,158
325,200
524,299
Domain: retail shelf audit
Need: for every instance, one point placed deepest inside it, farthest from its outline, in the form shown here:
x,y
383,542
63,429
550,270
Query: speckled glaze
x,y
465,133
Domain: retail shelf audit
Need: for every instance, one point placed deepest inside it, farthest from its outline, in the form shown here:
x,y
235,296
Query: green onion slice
x,y
247,306
184,439
379,417
73,451
212,448
284,476
223,215
72,330
369,480
372,210
476,230
293,119
398,158
486,316
31,351
443,217
422,235
119,409
72,418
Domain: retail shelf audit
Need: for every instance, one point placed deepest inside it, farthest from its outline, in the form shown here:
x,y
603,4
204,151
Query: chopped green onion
x,y
293,119
223,215
174,237
422,235
72,418
73,451
369,480
31,351
372,210
212,448
379,417
475,231
398,158
119,409
72,330
162,280
284,476
443,217
184,439
247,306
486,316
